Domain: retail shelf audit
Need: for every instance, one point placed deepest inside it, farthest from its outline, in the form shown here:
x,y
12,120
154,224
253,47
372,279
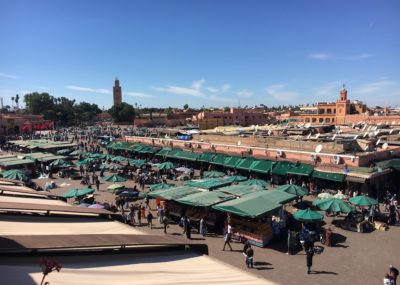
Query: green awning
x,y
392,163
51,158
173,193
245,163
205,199
239,190
252,205
208,183
232,161
280,197
148,149
301,169
206,157
218,159
164,151
281,167
172,152
262,166
186,155
16,162
329,176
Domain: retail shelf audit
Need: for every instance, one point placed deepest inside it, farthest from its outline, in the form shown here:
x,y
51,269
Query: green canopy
x,y
218,159
208,183
164,151
64,151
262,166
240,189
186,155
281,167
363,201
280,197
206,157
77,152
245,163
97,155
308,216
114,178
137,162
156,187
58,162
166,166
77,192
115,186
172,152
85,161
253,205
236,178
214,174
232,161
119,158
333,205
205,199
301,169
257,182
173,193
293,189
15,174
337,177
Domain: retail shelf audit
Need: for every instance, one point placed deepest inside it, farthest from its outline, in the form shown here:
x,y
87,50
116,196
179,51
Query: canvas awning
x,y
392,163
205,199
301,169
245,163
337,177
164,151
208,183
282,167
253,205
206,157
262,166
185,155
280,197
16,162
172,152
218,159
239,190
232,161
173,193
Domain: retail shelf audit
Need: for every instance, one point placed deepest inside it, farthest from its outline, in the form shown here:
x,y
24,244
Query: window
x,y
334,110
333,120
320,120
307,120
327,120
314,120
329,111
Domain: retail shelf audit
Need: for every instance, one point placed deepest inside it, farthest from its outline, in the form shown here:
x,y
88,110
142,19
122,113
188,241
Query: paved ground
x,y
357,258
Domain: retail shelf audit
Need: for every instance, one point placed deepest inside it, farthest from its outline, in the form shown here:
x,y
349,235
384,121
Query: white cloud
x,y
198,84
221,99
213,90
279,93
378,87
319,56
327,90
137,94
9,76
225,87
326,56
244,93
180,91
86,89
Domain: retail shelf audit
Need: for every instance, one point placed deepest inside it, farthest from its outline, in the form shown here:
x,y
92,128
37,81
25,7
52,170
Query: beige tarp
x,y
160,269
25,225
37,201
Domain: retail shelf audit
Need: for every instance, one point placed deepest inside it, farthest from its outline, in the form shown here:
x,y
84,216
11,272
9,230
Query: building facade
x,y
117,92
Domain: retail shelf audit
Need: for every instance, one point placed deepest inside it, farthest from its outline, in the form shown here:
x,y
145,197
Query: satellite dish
x,y
309,136
269,132
364,127
239,143
356,137
378,142
371,134
334,136
318,148
307,126
385,146
317,136
391,131
365,134
366,147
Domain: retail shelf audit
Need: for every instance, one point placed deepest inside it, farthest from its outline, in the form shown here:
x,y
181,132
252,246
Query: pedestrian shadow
x,y
323,272
262,265
197,238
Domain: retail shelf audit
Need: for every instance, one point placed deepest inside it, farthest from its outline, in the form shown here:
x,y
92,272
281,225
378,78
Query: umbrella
x,y
96,206
155,187
257,182
340,196
114,178
119,158
325,196
333,205
235,178
64,151
58,162
16,174
166,166
214,174
308,215
77,192
363,201
293,189
183,169
115,167
115,186
77,152
137,162
82,162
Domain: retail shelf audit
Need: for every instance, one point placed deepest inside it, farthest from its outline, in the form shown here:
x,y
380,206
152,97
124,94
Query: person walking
x,y
393,273
165,223
150,220
188,228
202,229
309,247
97,183
249,256
228,237
139,215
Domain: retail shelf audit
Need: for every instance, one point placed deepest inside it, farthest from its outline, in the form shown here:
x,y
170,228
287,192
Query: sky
x,y
201,52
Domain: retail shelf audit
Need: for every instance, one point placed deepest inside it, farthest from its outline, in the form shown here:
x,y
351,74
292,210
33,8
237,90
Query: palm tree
x,y
17,100
12,102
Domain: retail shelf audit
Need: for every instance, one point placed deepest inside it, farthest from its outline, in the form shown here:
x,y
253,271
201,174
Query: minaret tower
x,y
117,92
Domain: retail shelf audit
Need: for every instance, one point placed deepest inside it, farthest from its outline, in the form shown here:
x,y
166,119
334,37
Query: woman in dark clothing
x,y
309,256
188,228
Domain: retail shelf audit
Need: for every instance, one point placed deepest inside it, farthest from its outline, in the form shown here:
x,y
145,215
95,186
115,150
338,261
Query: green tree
x,y
122,113
38,103
186,106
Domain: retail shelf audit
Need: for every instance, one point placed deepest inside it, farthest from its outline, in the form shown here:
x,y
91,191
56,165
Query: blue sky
x,y
211,53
